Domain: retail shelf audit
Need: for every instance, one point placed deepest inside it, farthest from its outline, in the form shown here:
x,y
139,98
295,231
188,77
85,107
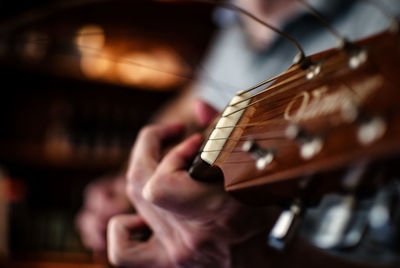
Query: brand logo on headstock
x,y
326,100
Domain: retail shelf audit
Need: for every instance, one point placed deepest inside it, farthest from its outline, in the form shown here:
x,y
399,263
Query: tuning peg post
x,y
285,227
263,157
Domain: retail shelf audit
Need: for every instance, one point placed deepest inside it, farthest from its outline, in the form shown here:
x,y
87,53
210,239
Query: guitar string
x,y
279,141
327,62
287,72
126,60
343,41
290,79
93,51
239,162
324,68
270,121
192,78
272,135
322,20
235,126
252,16
232,150
243,11
285,142
264,123
295,84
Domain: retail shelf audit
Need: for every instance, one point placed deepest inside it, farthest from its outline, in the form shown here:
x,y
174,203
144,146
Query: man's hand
x,y
103,199
194,224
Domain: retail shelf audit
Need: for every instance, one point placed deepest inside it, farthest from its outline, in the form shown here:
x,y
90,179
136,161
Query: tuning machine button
x,y
263,157
313,71
309,145
285,227
334,224
357,55
384,214
371,130
358,58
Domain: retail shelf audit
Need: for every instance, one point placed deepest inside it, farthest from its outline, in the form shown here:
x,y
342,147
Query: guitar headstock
x,y
341,109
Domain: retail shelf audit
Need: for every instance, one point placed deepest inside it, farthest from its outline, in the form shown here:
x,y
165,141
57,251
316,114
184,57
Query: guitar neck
x,y
341,109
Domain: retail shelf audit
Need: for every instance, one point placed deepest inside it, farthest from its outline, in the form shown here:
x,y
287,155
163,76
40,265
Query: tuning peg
x,y
342,226
309,145
371,130
263,157
313,71
285,227
357,58
384,214
335,221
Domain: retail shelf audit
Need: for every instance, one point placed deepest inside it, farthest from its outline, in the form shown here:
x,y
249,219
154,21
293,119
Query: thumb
x,y
123,251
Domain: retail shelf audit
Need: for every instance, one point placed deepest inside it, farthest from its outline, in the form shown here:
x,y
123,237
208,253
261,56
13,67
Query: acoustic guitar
x,y
330,124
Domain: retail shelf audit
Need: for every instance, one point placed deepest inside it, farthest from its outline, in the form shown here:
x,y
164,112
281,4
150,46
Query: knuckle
x,y
113,223
147,130
151,194
137,172
133,173
156,191
131,192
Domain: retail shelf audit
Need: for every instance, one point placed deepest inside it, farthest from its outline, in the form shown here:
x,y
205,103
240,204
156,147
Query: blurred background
x,y
79,78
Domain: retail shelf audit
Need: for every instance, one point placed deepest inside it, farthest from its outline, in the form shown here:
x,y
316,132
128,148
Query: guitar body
x,y
316,122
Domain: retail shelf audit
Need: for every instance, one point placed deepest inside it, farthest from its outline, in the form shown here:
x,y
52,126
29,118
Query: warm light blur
x,y
90,38
96,65
155,69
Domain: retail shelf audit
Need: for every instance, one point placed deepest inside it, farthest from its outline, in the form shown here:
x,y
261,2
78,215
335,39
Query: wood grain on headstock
x,y
332,106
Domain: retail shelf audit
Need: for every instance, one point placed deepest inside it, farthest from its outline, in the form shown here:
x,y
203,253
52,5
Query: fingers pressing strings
x,y
146,151
276,137
171,188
